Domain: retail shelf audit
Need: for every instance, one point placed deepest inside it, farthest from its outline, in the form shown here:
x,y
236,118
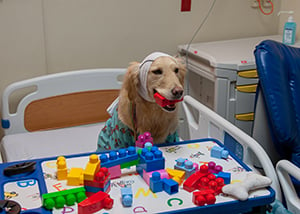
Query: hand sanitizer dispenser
x,y
289,31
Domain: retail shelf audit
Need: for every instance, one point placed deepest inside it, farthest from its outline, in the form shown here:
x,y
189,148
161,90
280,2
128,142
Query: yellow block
x,y
91,168
176,174
75,177
62,170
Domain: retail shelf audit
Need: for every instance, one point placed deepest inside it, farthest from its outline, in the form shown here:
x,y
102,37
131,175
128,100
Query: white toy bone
x,y
252,182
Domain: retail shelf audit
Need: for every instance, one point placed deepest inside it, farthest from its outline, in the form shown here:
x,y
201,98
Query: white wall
x,y
47,36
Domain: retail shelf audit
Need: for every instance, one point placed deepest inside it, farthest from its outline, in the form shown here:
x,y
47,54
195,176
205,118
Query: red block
x,y
101,179
95,203
192,182
203,197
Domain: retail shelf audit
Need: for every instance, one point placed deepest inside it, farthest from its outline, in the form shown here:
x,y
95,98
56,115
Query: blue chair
x,y
277,113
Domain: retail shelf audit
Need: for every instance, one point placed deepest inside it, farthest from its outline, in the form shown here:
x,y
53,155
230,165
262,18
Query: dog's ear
x,y
131,80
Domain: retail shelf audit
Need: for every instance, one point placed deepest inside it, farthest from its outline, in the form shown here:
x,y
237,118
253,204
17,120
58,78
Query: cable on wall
x,y
190,42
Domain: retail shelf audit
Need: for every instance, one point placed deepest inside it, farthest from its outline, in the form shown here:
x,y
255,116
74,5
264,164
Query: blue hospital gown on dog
x,y
116,135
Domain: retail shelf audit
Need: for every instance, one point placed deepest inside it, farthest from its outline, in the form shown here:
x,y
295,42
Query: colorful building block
x,y
95,203
129,164
121,156
185,165
219,152
100,183
93,189
156,183
62,171
211,182
147,175
176,175
64,197
92,167
75,177
143,139
127,197
170,186
191,183
226,176
150,160
203,197
115,171
213,168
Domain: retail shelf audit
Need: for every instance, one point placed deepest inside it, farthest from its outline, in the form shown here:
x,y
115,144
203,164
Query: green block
x,y
65,197
129,164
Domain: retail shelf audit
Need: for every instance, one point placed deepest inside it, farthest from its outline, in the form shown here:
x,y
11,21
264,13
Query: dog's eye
x,y
176,70
158,71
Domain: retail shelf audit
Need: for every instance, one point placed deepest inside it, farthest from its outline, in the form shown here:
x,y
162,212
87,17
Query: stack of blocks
x,y
150,164
117,160
203,180
186,166
158,185
150,160
95,178
143,139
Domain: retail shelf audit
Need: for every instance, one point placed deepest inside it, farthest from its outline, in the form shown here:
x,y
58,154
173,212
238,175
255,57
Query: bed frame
x,y
62,100
78,98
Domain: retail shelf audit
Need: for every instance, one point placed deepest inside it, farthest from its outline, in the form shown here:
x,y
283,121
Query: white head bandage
x,y
143,73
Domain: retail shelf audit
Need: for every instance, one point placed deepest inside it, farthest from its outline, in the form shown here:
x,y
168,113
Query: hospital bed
x,y
63,114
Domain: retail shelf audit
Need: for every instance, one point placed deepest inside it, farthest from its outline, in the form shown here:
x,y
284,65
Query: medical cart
x,y
222,75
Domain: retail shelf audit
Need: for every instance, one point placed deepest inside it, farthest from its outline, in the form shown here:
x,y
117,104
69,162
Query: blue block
x,y
226,177
151,160
185,165
127,197
156,184
170,186
97,189
115,158
219,152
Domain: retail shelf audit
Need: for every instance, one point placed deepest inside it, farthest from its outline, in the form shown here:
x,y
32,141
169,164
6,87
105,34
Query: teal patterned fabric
x,y
116,135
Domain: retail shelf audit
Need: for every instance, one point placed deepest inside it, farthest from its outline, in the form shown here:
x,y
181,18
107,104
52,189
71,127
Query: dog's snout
x,y
177,92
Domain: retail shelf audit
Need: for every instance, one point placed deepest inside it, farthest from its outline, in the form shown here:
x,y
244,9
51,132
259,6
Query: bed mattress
x,y
57,142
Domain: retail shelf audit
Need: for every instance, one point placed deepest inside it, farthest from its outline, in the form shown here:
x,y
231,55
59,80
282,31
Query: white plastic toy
x,y
241,190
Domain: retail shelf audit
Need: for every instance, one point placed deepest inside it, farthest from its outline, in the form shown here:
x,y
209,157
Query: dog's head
x,y
159,73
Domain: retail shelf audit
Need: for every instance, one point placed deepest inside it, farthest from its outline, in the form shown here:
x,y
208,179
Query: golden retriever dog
x,y
137,110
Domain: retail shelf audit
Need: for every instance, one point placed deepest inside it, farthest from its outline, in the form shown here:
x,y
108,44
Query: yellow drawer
x,y
245,116
248,74
247,88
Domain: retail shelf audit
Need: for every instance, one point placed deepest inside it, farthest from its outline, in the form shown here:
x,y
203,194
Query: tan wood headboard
x,y
69,110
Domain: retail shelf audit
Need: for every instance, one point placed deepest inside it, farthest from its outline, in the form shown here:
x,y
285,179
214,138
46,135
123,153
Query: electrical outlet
x,y
266,3
254,3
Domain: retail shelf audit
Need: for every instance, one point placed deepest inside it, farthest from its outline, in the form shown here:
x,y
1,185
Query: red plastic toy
x,y
95,203
162,101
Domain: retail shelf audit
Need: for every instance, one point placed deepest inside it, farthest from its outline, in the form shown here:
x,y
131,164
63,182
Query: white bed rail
x,y
285,169
205,123
53,85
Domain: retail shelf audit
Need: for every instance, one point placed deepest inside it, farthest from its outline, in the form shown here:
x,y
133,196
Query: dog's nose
x,y
177,92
